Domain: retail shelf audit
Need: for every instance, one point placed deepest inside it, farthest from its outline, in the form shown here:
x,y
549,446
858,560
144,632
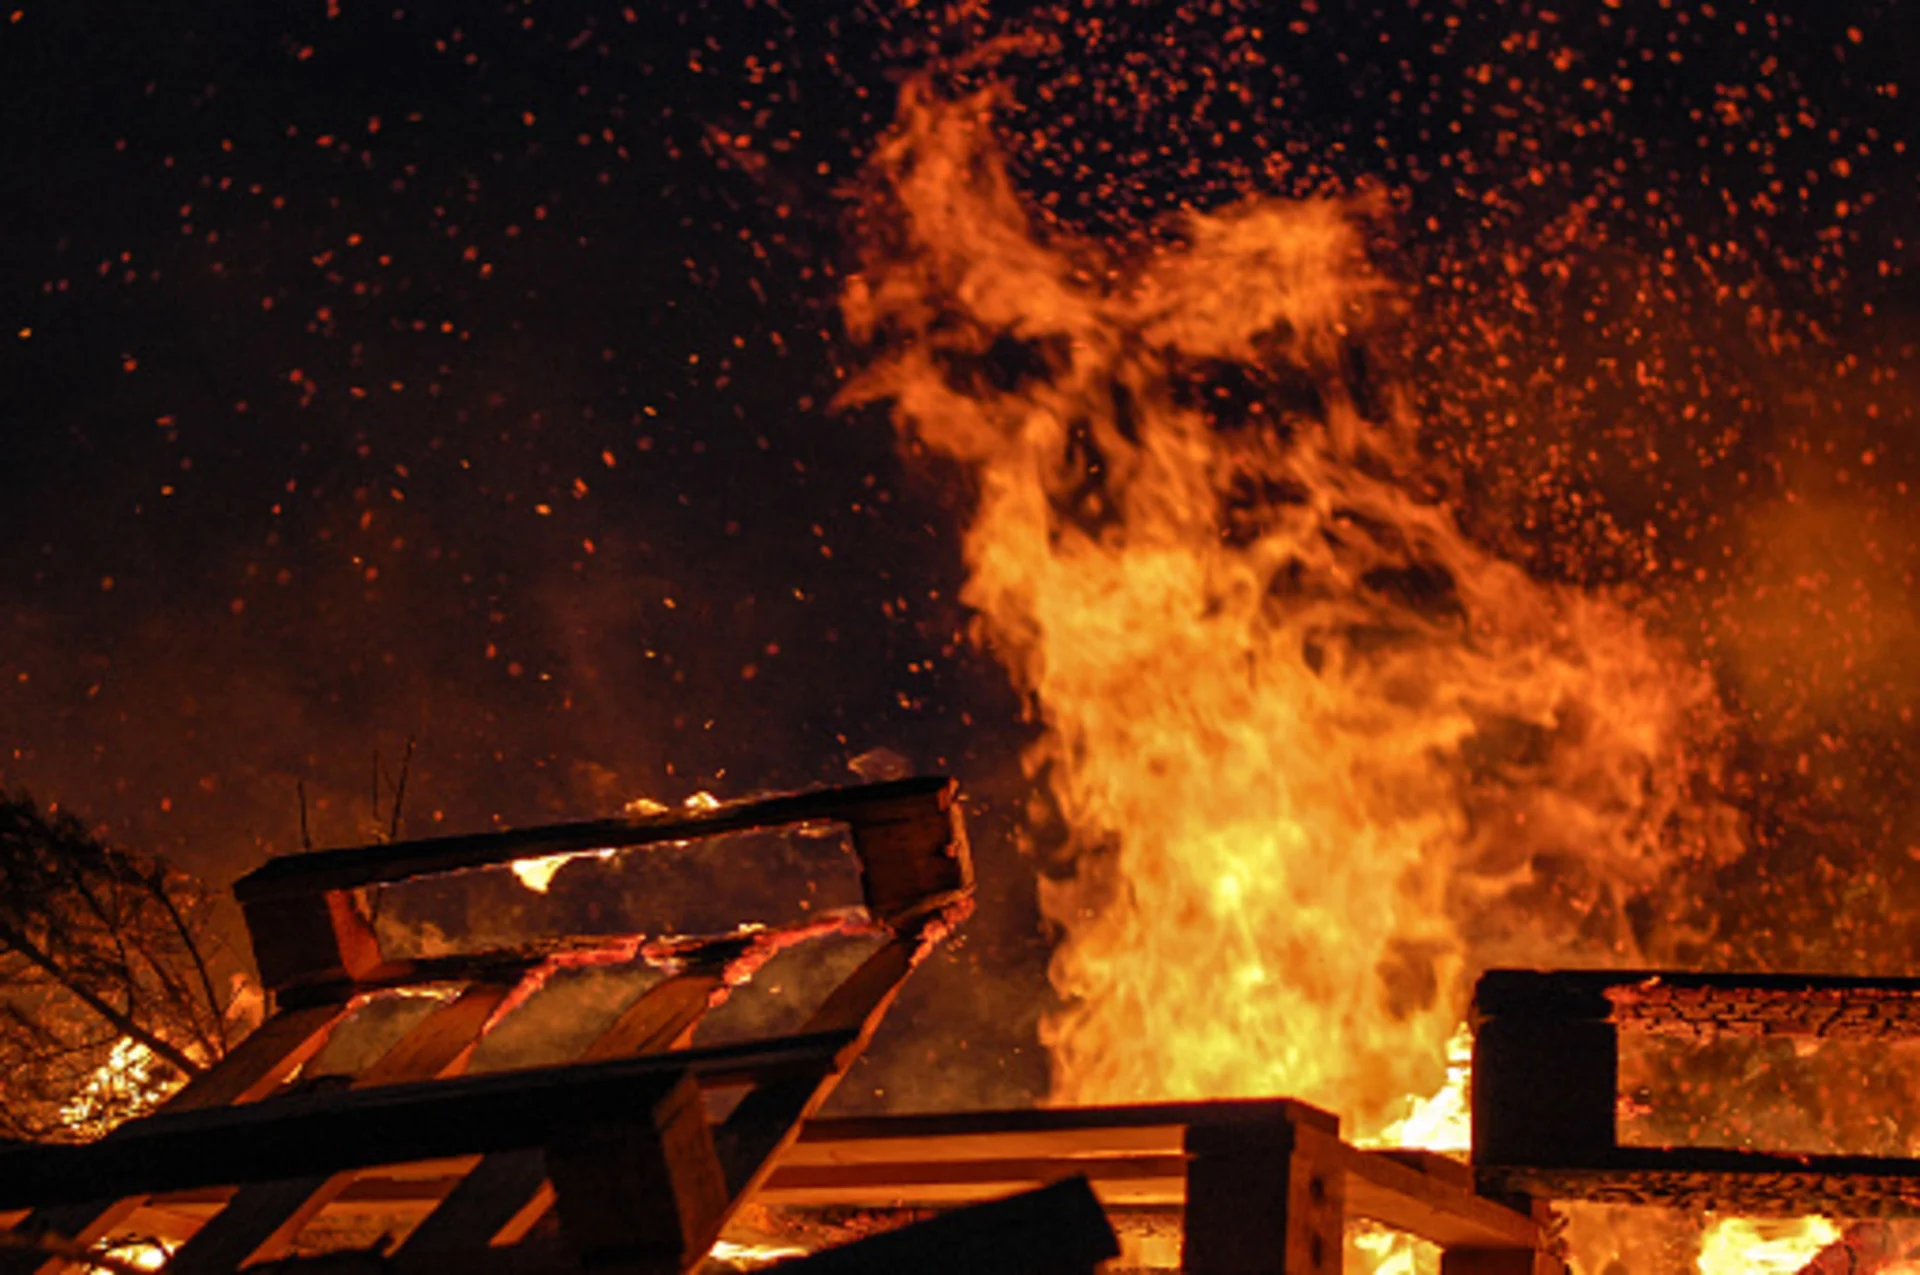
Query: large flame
x,y
1317,754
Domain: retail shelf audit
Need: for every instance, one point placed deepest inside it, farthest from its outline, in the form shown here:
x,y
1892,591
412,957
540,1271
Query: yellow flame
x,y
144,1255
1442,1121
752,1256
1319,756
537,873
1753,1246
130,1083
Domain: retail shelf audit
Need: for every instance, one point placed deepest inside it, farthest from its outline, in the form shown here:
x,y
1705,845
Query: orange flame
x,y
1318,755
131,1082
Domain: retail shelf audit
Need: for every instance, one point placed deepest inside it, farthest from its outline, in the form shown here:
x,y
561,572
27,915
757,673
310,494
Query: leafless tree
x,y
108,991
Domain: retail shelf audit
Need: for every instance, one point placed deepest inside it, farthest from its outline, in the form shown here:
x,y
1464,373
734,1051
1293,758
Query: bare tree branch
x,y
126,1025
100,948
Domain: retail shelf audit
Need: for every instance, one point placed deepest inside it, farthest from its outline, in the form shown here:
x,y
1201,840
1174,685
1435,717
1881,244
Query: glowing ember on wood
x,y
537,874
129,1084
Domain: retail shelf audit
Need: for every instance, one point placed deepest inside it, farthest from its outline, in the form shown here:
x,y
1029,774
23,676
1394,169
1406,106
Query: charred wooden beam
x,y
1545,1088
926,799
296,1135
1711,1179
309,914
1705,1006
1056,1230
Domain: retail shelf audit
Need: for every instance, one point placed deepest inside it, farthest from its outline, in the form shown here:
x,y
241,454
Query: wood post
x,y
641,1195
1544,1090
1265,1196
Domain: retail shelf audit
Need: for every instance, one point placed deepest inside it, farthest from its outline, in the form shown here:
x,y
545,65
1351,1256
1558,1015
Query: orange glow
x,y
132,1082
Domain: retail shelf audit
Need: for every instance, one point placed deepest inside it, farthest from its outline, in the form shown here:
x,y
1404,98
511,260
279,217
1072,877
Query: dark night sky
x,y
459,371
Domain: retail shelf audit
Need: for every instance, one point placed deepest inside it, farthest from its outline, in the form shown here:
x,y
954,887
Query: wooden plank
x,y
1708,1179
296,1134
261,1062
263,1217
330,870
253,1068
1153,1127
1056,1230
307,913
661,1019
1129,1154
879,1183
507,1192
498,1202
1707,1005
1264,1197
1438,1204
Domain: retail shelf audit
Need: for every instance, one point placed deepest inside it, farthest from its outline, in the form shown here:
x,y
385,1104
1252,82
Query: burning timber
x,y
637,1150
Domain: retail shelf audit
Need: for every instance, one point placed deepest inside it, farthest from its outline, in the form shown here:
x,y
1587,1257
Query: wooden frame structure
x,y
618,1147
628,1158
1261,1187
1546,1088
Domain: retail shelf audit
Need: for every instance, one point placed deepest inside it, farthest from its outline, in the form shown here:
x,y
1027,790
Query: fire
x,y
132,1082
537,873
135,1255
1746,1246
1443,1121
1318,755
753,1256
